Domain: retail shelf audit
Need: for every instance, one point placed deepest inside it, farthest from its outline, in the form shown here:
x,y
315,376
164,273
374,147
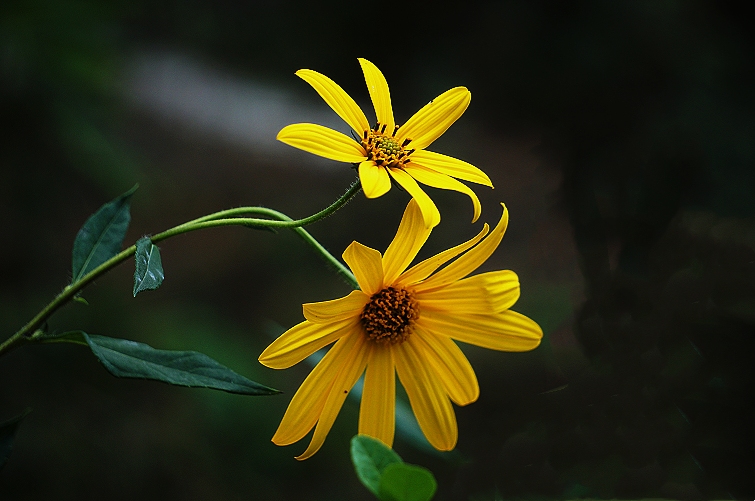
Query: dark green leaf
x,y
370,457
406,482
129,359
149,272
7,434
102,235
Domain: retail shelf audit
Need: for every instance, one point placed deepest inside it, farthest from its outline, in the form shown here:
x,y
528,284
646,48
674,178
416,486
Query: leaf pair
x,y
98,241
101,238
385,474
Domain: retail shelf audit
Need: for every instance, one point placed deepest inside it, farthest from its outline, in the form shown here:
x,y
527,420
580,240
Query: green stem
x,y
31,331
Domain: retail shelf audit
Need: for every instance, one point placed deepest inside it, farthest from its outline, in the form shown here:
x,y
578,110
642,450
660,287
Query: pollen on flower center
x,y
384,149
389,316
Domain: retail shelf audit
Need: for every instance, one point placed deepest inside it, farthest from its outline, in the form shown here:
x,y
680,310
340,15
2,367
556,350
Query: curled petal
x,y
377,412
470,261
429,211
302,340
442,181
379,93
410,237
323,142
336,309
422,270
338,99
504,331
450,166
375,180
433,119
367,265
481,294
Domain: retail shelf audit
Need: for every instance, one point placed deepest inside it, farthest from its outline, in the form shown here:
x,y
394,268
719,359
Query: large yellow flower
x,y
402,321
389,151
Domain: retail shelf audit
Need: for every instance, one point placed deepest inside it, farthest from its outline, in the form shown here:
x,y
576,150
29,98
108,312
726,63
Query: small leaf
x,y
102,235
149,272
81,300
129,359
407,482
370,457
7,434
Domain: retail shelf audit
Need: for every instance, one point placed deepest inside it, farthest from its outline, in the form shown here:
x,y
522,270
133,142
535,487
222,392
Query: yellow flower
x,y
402,321
389,151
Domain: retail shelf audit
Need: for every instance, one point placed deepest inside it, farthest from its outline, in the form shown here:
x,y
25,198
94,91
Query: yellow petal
x,y
450,166
381,97
452,368
336,97
484,293
306,406
444,182
367,265
337,309
430,122
505,331
422,270
322,141
352,368
377,412
410,237
375,180
429,211
427,397
470,261
302,340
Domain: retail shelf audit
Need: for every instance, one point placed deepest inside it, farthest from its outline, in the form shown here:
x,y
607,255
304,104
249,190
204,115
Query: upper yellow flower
x,y
389,151
402,321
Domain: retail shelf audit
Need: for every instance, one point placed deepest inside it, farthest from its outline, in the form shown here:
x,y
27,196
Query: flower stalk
x,y
34,329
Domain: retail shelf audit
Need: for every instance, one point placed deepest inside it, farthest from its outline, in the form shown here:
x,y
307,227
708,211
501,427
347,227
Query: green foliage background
x,y
619,134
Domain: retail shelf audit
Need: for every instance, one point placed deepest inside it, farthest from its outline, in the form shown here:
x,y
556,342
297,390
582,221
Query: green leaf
x,y
129,359
149,272
7,434
370,457
406,482
102,235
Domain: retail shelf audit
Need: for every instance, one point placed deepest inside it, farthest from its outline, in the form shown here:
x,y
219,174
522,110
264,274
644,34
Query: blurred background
x,y
619,134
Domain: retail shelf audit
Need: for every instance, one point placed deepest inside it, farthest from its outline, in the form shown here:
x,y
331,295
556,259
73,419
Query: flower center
x,y
389,316
383,149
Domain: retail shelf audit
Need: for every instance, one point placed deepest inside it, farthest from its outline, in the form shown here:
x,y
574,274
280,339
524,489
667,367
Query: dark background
x,y
619,134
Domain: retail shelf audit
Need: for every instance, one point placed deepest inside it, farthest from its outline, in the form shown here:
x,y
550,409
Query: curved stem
x,y
304,234
355,187
31,330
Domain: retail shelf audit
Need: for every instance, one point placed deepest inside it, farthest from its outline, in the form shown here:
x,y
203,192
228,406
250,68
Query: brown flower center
x,y
389,316
383,149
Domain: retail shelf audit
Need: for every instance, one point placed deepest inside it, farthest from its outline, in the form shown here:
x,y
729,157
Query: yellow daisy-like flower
x,y
402,322
389,151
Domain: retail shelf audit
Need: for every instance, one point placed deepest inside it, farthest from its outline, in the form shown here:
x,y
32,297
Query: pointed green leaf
x,y
149,272
407,482
7,434
129,359
102,235
370,457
